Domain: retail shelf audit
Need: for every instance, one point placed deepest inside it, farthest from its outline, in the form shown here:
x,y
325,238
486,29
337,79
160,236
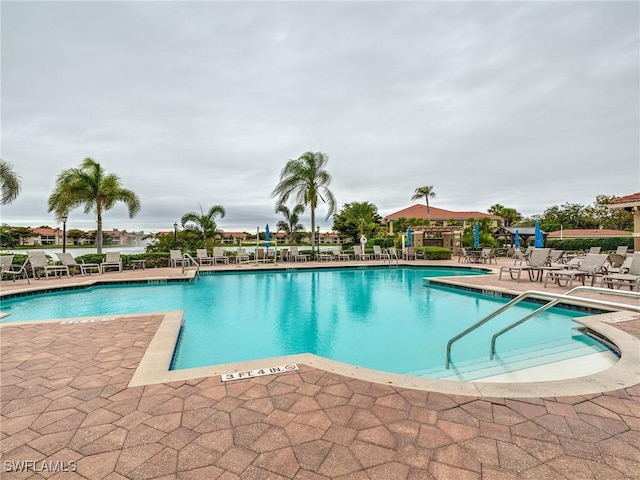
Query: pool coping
x,y
155,364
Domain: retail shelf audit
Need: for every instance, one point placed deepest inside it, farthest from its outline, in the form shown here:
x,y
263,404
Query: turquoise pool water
x,y
381,318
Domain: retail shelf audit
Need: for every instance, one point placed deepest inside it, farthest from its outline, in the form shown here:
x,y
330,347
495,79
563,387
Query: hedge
x,y
606,244
434,253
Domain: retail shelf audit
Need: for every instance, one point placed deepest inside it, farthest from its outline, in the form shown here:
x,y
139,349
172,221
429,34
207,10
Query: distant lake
x,y
76,252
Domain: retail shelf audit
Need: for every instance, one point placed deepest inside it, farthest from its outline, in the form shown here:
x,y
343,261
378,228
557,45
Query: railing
x,y
190,259
554,299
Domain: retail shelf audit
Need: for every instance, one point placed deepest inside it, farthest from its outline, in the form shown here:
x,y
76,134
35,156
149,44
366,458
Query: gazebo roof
x,y
632,200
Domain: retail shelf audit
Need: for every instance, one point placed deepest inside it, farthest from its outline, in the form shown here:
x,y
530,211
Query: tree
x,y
357,219
204,225
307,181
605,217
291,224
426,192
90,186
76,234
509,216
9,183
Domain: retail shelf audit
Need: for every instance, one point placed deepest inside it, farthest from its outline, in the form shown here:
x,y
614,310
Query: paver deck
x,y
65,404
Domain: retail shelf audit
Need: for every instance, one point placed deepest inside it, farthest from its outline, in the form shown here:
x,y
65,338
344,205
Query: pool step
x,y
519,359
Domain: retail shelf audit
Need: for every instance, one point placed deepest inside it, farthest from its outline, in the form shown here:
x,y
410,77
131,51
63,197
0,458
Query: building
x,y
566,234
439,216
631,203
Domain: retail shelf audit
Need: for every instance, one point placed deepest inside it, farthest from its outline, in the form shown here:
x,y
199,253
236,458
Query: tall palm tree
x,y
307,181
203,224
426,192
90,186
9,183
291,223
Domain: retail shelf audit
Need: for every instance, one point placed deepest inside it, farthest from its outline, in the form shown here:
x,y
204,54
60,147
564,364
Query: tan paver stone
x,y
607,425
432,437
310,455
165,462
300,433
25,406
142,434
441,471
489,473
405,431
242,416
459,415
369,454
99,465
416,457
394,400
632,422
580,449
111,441
363,419
100,416
132,419
165,423
277,388
515,458
439,401
388,471
389,414
338,389
416,398
179,438
260,405
194,455
237,389
423,415
285,401
571,468
17,440
581,430
339,461
279,418
282,462
246,435
362,401
602,471
631,437
220,441
592,408
530,429
505,416
316,418
341,414
206,420
236,460
327,401
379,435
307,475
457,456
543,451
273,439
217,392
540,472
484,449
560,409
458,432
340,435
613,404
14,425
256,391
614,446
526,409
305,404
195,402
624,466
209,472
329,378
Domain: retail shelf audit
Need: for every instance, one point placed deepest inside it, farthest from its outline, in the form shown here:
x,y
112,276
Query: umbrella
x,y
267,236
539,241
476,236
409,237
516,242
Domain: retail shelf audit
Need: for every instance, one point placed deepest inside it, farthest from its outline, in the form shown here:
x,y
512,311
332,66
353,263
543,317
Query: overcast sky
x,y
528,105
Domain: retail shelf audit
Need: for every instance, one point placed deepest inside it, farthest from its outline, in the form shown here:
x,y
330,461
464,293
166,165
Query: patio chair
x,y
463,256
358,254
219,256
518,256
13,270
111,260
591,266
393,253
284,254
488,254
537,259
39,261
261,255
594,250
338,254
622,250
556,256
203,258
296,256
242,255
84,268
409,253
324,255
631,277
379,254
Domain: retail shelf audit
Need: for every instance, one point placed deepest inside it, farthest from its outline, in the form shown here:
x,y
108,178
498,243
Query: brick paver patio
x,y
65,404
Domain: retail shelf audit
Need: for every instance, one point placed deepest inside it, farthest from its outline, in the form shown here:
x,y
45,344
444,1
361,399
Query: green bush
x,y
434,253
606,243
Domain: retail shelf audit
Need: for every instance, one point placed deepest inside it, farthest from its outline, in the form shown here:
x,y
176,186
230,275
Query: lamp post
x,y
64,233
175,234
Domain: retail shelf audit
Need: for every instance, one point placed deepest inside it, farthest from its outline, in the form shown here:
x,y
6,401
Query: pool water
x,y
382,318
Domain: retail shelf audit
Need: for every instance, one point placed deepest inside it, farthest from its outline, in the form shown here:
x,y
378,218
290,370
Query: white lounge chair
x,y
176,259
84,268
295,254
379,254
358,254
39,261
591,266
630,278
203,258
537,259
219,256
111,260
14,271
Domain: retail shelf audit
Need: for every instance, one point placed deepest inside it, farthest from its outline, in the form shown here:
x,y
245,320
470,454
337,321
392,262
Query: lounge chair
x,y
219,256
537,259
111,260
556,256
358,254
591,266
393,254
463,256
261,255
409,253
39,261
622,250
84,268
284,255
176,259
296,256
379,254
13,270
242,255
324,255
203,258
630,278
337,254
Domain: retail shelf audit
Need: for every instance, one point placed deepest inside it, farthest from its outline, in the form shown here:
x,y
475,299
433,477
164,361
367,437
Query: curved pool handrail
x,y
554,298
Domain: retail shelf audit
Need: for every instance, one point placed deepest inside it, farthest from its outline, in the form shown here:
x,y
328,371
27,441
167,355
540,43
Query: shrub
x,y
434,253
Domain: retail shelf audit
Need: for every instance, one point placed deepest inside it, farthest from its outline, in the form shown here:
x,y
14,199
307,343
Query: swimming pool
x,y
381,318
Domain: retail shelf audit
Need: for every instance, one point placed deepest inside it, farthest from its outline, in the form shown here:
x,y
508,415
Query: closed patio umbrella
x,y
267,237
476,236
516,242
409,237
539,241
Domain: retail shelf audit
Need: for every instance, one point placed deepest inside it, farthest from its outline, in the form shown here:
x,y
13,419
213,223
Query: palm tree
x,y
307,181
204,225
91,187
9,183
426,192
291,223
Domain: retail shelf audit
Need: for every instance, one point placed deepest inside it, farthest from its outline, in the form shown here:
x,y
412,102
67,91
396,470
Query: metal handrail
x,y
555,298
191,260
